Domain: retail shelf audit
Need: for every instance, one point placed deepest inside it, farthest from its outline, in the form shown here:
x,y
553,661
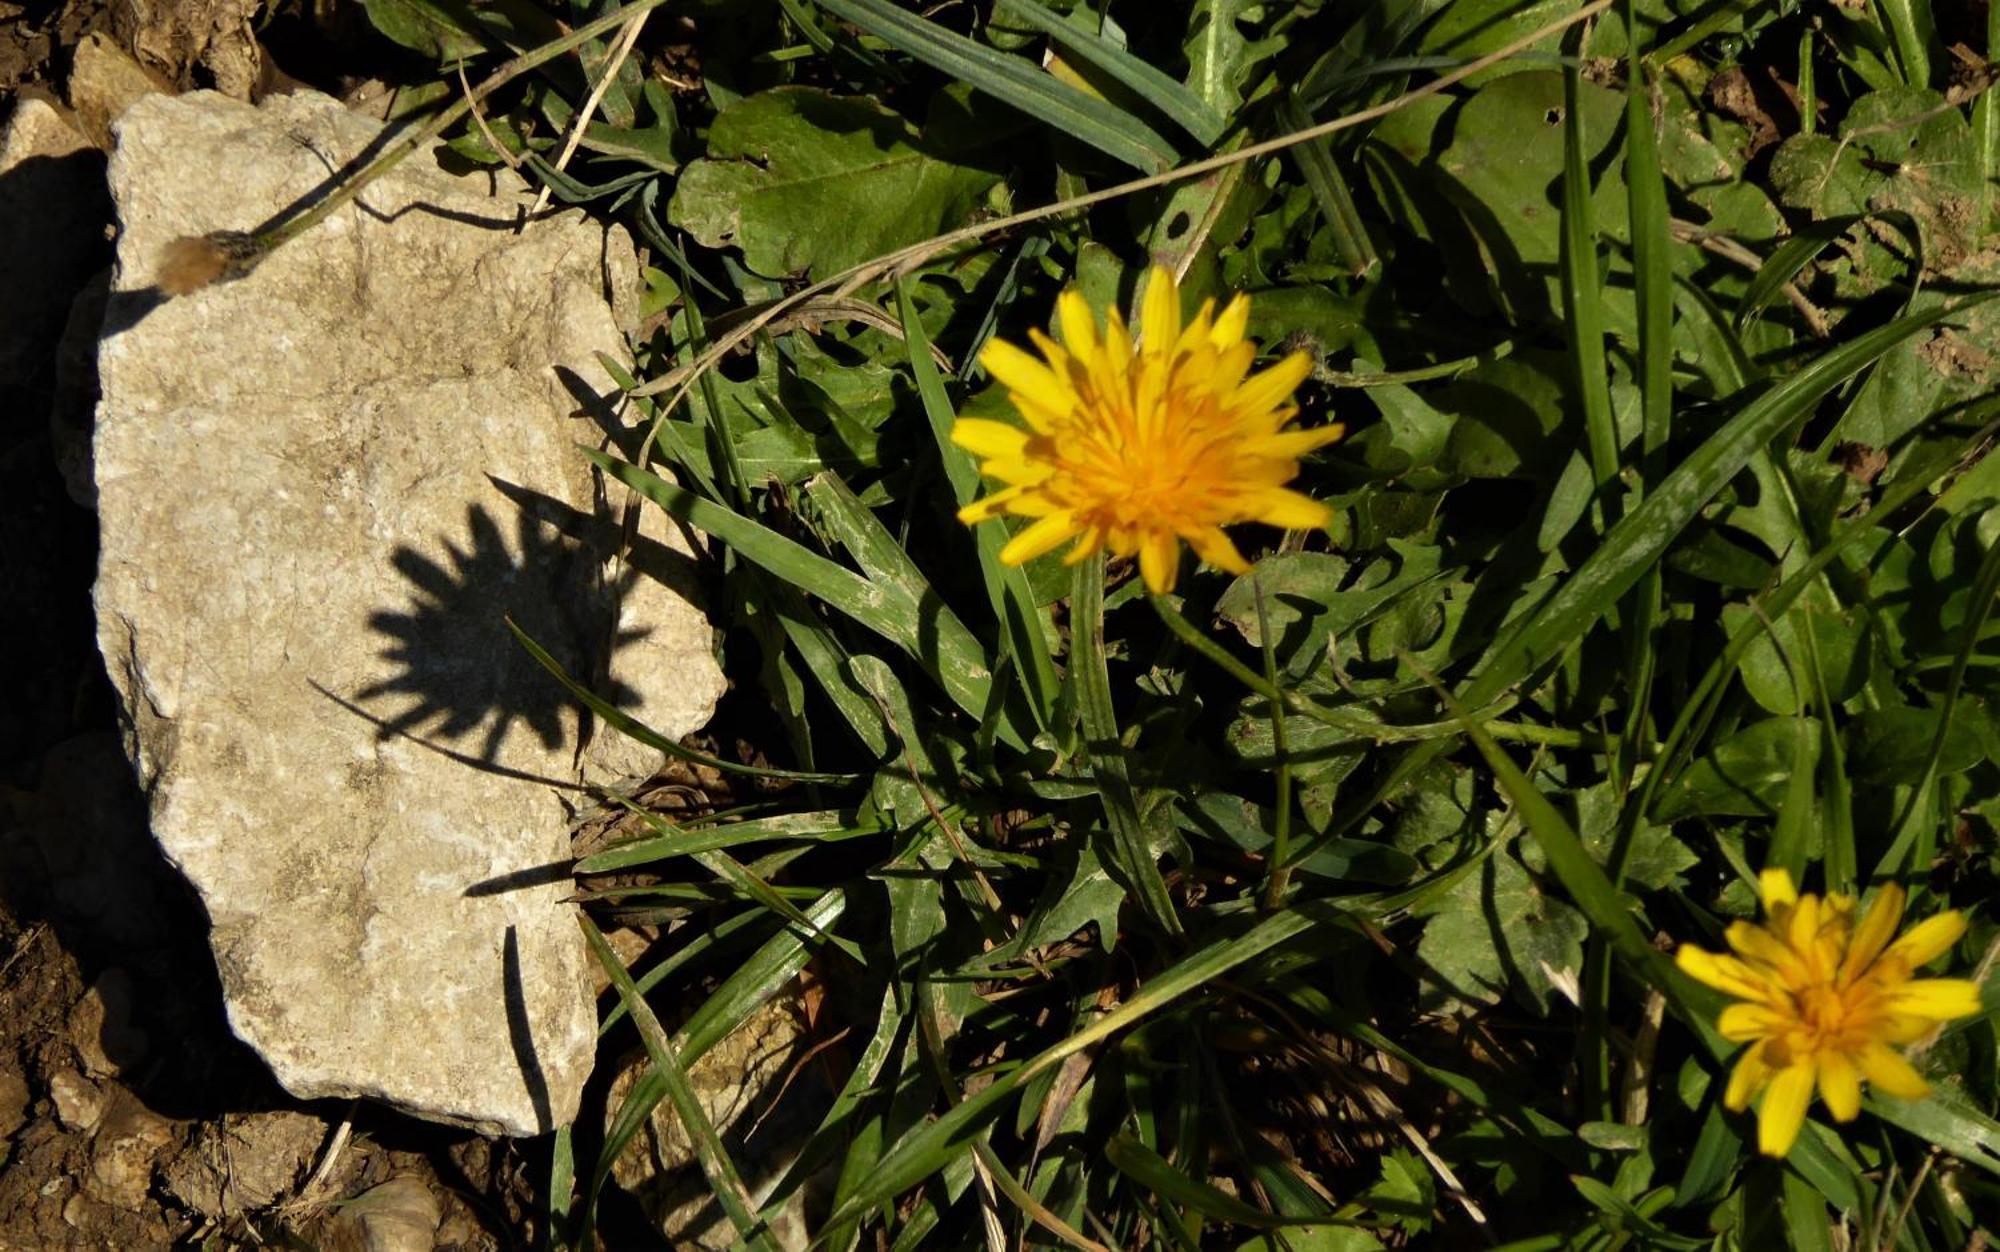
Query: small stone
x,y
240,1164
103,83
400,1215
129,1139
79,1104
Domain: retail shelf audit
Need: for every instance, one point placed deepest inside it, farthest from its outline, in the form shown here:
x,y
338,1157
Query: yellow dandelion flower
x,y
1134,445
1821,999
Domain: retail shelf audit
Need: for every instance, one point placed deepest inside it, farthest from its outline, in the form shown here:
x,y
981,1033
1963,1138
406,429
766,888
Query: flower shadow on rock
x,y
459,668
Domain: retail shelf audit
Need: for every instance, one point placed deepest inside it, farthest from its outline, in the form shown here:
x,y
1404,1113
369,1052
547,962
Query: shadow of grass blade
x,y
724,1180
632,728
1069,110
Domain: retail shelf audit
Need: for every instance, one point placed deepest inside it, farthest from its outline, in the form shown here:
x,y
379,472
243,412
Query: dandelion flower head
x,y
1822,1000
1133,445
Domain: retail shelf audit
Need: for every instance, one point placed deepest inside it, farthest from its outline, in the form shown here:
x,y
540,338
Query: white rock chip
x,y
323,488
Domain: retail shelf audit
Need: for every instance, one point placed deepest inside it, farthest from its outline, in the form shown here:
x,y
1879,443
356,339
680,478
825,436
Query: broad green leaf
x,y
1498,929
805,181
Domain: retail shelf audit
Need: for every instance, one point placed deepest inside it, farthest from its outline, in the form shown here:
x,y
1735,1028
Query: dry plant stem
x,y
292,228
1729,250
1886,1239
1639,1073
507,158
581,121
887,264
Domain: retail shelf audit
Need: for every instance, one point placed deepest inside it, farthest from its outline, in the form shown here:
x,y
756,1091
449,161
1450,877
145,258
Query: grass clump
x,y
1317,895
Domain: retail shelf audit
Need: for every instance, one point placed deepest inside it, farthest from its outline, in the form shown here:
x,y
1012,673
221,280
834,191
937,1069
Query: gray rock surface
x,y
323,489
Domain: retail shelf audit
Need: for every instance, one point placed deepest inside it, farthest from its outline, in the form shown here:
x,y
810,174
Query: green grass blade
x,y
920,1154
868,604
1006,585
1583,296
937,638
1012,80
1947,1120
1641,538
830,826
1173,99
1911,852
1785,262
768,970
1107,753
1329,188
1588,886
725,1181
1151,1170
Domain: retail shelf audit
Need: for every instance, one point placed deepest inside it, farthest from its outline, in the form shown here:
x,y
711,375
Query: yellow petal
x,y
1840,1085
1904,1027
1018,372
988,439
1213,546
1929,939
1784,1109
1044,536
1117,351
1160,310
1196,332
1940,999
1886,1069
1802,926
986,508
1757,943
1775,888
1293,444
1288,510
1159,561
1270,388
1231,323
1079,325
1878,924
1087,544
1742,1022
1746,1079
1724,973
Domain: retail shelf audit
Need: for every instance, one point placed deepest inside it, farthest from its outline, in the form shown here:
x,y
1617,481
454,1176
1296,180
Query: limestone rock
x,y
323,491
